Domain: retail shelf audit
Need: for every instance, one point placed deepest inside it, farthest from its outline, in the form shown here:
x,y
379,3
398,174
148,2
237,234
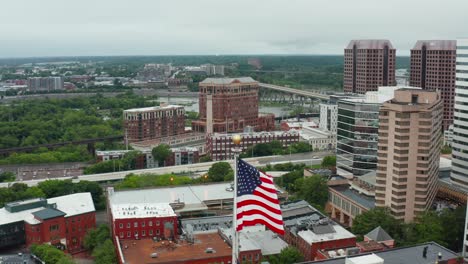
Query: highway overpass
x,y
310,158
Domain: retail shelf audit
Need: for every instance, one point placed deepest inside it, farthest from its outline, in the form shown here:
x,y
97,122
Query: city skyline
x,y
52,28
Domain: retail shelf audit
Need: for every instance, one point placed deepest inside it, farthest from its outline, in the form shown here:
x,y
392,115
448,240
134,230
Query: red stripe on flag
x,y
259,212
255,202
266,197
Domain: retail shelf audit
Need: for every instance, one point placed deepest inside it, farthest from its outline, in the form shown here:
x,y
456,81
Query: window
x,y
121,225
157,232
143,224
121,234
150,223
128,225
136,233
143,233
135,224
53,228
151,232
129,234
157,223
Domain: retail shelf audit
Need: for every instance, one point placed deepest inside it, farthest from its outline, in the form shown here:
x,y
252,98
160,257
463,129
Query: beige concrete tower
x,y
410,137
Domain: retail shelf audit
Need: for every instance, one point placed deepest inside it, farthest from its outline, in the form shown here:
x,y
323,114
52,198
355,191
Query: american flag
x,y
257,201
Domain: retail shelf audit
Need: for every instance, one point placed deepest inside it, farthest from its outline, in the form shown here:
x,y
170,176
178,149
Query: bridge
x,y
295,95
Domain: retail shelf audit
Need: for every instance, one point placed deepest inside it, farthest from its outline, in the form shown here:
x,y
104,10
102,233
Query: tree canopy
x,y
288,255
220,171
329,162
50,254
99,242
160,153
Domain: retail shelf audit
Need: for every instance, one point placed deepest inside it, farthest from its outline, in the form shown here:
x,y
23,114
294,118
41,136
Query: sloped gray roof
x,y
370,44
48,213
227,80
378,234
436,45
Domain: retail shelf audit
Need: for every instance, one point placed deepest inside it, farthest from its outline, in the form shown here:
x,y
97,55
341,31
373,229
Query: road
x,y
197,168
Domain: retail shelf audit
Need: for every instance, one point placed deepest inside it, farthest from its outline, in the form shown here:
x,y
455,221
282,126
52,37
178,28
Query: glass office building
x,y
358,125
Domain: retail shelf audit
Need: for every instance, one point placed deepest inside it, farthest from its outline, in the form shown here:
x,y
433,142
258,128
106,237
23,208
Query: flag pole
x,y
236,139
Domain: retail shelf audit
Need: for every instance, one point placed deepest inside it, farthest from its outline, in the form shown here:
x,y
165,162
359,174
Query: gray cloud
x,y
157,27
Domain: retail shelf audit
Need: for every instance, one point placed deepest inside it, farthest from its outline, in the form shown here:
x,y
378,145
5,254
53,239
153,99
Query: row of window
x,y
143,224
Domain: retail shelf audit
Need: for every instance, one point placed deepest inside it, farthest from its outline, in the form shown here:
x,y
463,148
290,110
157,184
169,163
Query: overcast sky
x,y
173,27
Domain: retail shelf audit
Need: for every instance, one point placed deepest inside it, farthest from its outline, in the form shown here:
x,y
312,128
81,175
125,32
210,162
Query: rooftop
x,y
141,210
139,251
436,45
193,197
378,234
370,44
227,80
70,205
257,238
405,255
48,213
152,108
366,201
257,134
325,232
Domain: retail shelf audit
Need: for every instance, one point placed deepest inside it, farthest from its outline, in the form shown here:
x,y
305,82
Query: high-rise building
x,y
154,122
328,117
39,84
232,105
410,138
459,173
433,68
368,64
357,132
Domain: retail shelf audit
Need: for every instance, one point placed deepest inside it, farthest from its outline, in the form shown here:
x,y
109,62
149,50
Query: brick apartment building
x,y
368,64
219,146
410,137
61,221
230,104
147,219
433,64
154,122
311,231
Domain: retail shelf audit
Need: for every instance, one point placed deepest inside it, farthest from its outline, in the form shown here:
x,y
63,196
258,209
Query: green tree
x,y
287,255
50,254
453,222
329,162
7,176
129,159
96,236
300,147
314,190
54,188
105,253
160,153
220,171
205,159
378,216
446,149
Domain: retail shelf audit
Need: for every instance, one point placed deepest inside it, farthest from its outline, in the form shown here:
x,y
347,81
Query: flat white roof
x,y
192,196
72,204
141,210
152,108
340,233
367,259
256,237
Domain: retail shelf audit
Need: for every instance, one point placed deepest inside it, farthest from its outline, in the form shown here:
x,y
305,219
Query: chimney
x,y
209,114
